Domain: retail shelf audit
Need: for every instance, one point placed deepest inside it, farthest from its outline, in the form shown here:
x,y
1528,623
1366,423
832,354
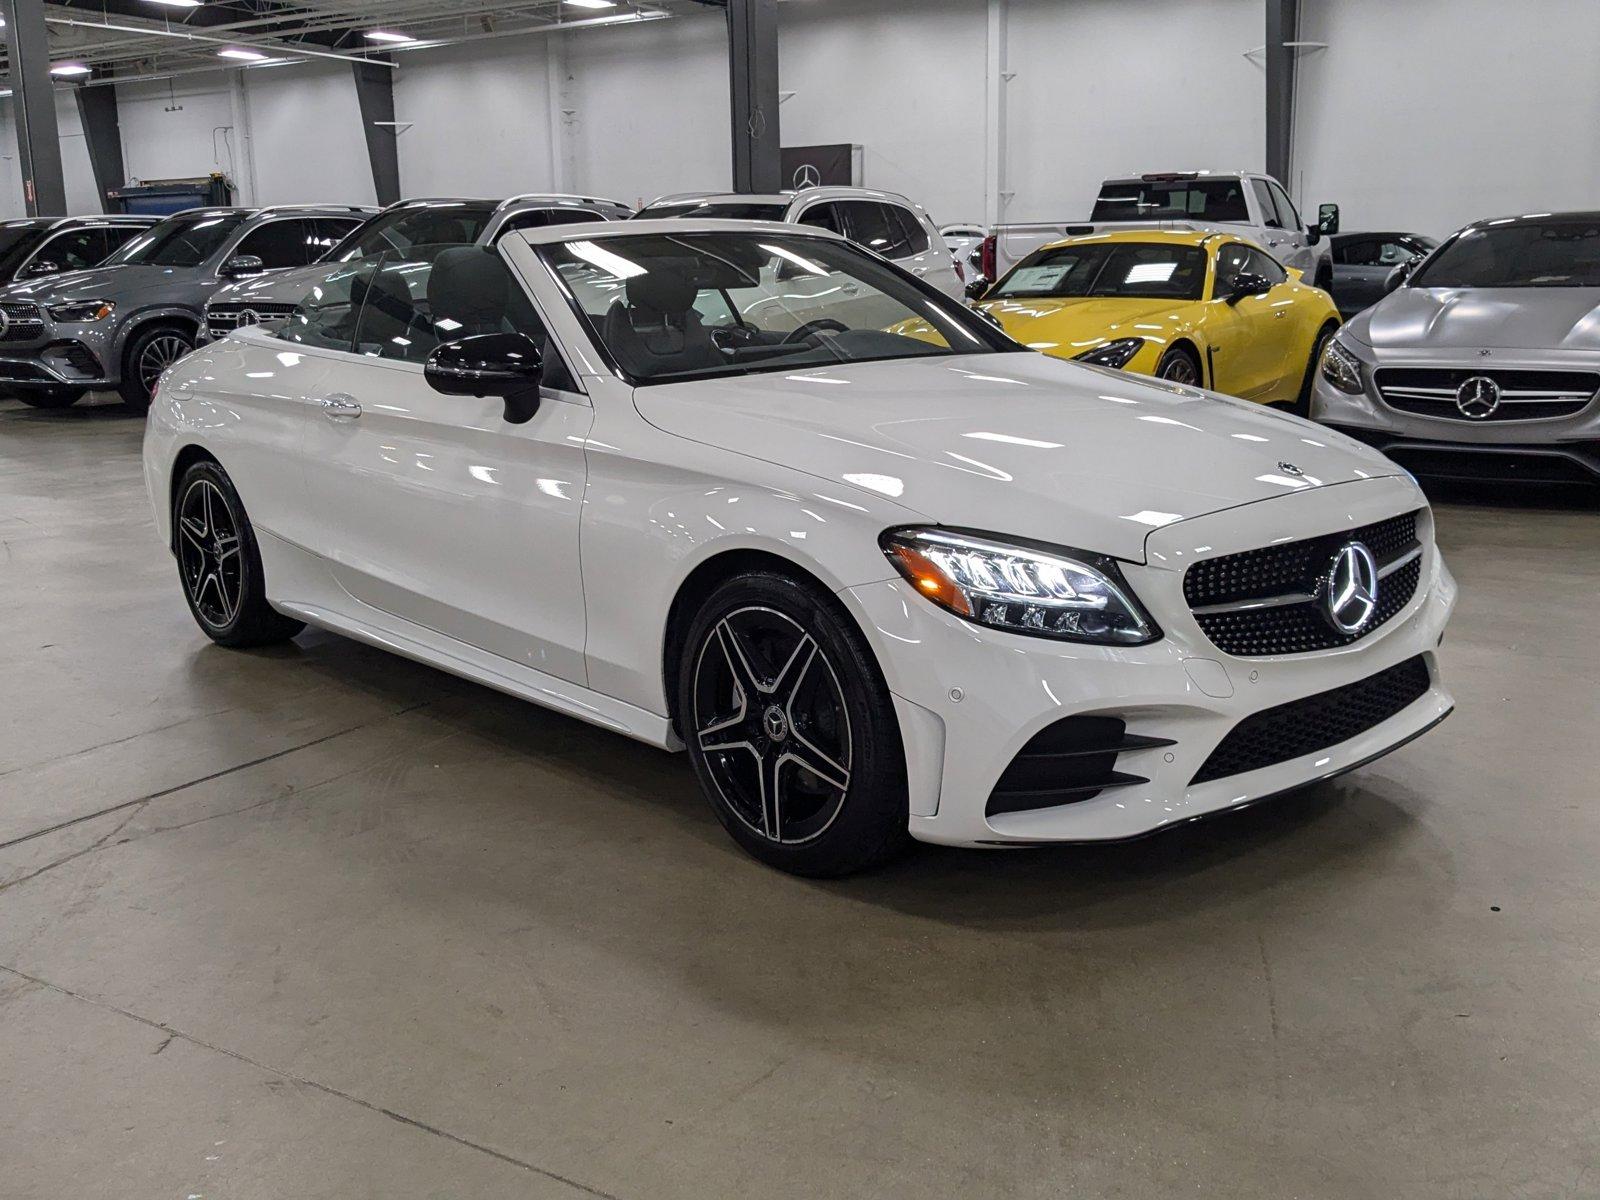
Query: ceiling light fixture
x,y
593,3
242,55
176,3
70,68
384,35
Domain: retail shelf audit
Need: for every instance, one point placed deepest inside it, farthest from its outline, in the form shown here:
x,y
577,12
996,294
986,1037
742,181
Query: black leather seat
x,y
657,331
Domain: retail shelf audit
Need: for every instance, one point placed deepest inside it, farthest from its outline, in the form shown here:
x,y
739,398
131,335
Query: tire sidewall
x,y
1178,352
875,811
131,389
1302,401
250,581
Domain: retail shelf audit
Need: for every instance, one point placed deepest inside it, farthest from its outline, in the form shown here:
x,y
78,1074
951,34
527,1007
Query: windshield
x,y
181,241
1559,253
446,223
1146,269
17,238
696,305
725,210
1171,199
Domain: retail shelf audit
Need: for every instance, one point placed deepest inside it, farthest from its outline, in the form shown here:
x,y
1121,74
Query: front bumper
x,y
1548,450
49,353
969,698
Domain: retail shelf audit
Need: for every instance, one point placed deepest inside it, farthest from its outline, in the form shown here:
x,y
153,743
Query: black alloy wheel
x,y
219,562
791,729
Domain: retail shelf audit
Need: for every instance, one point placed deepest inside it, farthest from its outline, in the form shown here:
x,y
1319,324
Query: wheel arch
x,y
144,319
185,458
1189,343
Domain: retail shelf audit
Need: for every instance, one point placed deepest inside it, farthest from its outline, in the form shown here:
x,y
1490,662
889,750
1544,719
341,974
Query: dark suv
x,y
122,324
33,247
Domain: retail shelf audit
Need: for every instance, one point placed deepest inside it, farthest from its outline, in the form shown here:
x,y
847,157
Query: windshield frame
x,y
991,338
1431,259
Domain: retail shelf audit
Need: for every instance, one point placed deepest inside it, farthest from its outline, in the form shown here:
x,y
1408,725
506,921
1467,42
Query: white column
x,y
995,79
244,166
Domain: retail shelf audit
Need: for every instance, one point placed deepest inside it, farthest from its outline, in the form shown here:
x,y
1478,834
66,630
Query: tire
x,y
1324,278
152,350
48,395
1179,365
1302,403
824,705
219,563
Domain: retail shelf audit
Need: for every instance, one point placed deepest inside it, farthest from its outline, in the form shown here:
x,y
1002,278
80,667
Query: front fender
x,y
139,319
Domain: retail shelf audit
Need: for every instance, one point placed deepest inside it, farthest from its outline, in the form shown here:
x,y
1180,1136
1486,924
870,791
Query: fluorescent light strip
x,y
70,69
243,55
592,3
384,35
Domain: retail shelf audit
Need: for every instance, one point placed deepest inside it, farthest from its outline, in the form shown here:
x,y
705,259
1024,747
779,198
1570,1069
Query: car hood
x,y
1076,325
1018,444
1482,318
280,287
98,283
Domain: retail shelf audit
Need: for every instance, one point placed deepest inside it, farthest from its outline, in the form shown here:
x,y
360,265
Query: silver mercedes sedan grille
x,y
1501,394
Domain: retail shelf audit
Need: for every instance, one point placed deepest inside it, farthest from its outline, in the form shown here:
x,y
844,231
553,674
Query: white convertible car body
x,y
545,558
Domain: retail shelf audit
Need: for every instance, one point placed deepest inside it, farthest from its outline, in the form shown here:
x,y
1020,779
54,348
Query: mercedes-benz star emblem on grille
x,y
807,176
248,316
1350,593
1288,468
1478,398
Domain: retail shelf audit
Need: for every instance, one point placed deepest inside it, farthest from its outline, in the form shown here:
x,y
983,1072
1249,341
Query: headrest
x,y
468,284
667,287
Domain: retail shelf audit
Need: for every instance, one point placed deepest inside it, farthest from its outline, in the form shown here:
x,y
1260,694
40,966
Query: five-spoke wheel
x,y
790,727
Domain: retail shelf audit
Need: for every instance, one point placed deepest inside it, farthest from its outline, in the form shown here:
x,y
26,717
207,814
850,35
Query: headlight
x,y
1116,354
1341,368
82,310
1022,589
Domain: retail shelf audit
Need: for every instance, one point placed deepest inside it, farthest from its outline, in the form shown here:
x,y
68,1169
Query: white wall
x,y
175,129
305,126
905,81
1432,113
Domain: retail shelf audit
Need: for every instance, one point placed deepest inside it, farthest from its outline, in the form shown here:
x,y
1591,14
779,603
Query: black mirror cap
x,y
976,289
507,365
243,264
1246,284
1328,219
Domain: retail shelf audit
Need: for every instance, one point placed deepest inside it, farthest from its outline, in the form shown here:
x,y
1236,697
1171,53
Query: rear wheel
x,y
47,395
1302,403
220,564
790,728
1179,365
151,352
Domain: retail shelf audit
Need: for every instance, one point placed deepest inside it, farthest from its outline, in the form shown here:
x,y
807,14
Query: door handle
x,y
340,406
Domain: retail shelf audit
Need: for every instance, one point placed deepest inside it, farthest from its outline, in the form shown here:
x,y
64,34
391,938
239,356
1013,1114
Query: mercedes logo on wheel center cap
x,y
1478,398
775,723
1350,592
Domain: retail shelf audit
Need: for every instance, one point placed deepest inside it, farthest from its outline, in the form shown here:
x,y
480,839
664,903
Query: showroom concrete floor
x,y
321,922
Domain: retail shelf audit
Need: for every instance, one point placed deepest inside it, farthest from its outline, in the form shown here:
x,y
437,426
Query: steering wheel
x,y
820,325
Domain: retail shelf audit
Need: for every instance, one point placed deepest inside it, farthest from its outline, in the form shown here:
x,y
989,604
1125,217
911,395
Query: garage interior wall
x,y
1432,113
1097,88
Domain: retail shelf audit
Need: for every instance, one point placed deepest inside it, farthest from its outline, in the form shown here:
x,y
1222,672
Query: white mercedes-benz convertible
x,y
752,491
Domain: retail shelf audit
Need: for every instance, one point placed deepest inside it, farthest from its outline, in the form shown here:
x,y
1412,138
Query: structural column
x,y
1283,21
102,133
995,79
375,95
753,87
44,190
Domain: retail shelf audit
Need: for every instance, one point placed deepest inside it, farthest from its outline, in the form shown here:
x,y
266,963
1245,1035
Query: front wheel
x,y
47,395
1302,402
220,564
1177,365
790,728
151,352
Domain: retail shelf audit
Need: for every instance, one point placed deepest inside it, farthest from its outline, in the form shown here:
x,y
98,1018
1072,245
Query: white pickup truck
x,y
1239,202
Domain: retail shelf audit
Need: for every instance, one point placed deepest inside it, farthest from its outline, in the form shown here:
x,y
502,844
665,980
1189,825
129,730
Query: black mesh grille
x,y
1296,568
1533,467
1577,388
23,321
1074,759
1316,722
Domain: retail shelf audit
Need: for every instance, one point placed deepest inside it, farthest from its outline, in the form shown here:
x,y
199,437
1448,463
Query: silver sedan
x,y
1483,361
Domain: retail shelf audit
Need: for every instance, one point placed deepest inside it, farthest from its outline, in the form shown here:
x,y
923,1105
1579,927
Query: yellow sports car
x,y
1209,309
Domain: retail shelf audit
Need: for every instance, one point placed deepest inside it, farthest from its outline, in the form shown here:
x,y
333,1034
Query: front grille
x,y
1305,726
223,319
1072,760
1524,395
1287,582
23,322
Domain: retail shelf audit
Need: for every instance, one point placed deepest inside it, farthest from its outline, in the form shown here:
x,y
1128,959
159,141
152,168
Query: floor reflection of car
x,y
888,223
1362,262
1484,361
878,586
1207,309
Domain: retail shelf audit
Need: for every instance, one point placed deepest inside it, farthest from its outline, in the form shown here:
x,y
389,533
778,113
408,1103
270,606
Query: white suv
x,y
886,222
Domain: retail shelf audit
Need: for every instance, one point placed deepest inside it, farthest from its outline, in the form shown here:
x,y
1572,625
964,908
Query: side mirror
x,y
243,264
1396,278
1328,219
508,365
977,288
1246,284
40,267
